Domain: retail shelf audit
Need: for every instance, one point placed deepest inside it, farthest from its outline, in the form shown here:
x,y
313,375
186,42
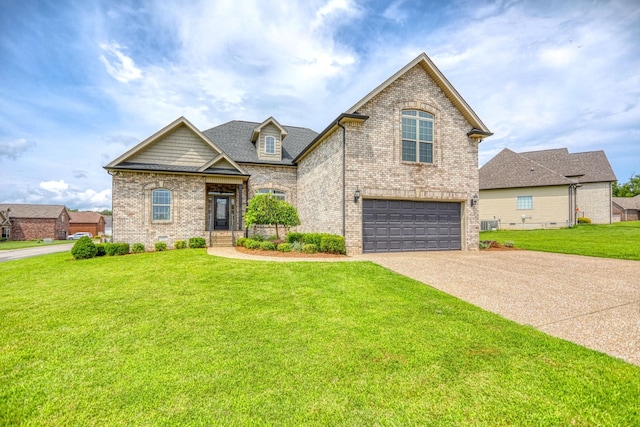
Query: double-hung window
x,y
161,204
417,136
525,202
270,145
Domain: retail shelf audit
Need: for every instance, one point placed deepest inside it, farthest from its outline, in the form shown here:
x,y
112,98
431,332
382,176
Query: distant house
x,y
91,222
626,208
28,222
549,188
5,226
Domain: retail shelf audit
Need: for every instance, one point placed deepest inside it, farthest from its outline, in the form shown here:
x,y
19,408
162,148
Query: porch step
x,y
221,241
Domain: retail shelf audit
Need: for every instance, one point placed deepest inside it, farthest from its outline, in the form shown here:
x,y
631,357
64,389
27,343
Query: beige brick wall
x,y
320,188
594,202
132,221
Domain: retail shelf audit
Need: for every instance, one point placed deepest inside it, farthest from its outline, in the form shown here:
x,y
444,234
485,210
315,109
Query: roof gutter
x,y
344,183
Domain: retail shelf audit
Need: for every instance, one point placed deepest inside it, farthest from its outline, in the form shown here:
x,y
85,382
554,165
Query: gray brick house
x,y
398,171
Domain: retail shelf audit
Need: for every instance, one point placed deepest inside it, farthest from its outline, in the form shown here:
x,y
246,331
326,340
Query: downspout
x,y
344,184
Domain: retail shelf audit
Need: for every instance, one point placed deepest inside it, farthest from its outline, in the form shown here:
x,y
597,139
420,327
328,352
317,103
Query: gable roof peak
x,y
270,120
479,129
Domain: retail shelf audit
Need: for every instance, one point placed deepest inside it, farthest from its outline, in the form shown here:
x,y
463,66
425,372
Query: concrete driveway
x,y
594,302
35,251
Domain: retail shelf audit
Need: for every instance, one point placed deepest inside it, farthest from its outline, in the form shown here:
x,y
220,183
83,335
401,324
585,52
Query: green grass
x,y
23,244
619,240
183,338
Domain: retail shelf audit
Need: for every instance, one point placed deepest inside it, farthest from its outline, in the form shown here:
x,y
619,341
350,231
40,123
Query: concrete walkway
x,y
594,302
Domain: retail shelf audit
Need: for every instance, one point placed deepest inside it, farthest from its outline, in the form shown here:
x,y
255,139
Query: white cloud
x,y
119,65
57,187
14,148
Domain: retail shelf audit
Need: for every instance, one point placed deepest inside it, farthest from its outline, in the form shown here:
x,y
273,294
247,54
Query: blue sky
x,y
83,81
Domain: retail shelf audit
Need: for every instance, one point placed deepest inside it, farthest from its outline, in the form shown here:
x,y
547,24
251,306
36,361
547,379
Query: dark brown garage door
x,y
404,225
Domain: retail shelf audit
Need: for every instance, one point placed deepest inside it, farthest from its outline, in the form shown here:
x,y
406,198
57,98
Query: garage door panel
x,y
406,225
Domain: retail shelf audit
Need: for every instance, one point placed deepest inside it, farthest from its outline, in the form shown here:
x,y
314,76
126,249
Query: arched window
x,y
276,193
161,205
417,136
270,145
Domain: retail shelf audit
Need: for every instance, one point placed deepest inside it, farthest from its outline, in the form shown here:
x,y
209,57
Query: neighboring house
x,y
91,222
5,226
29,222
626,208
548,188
398,171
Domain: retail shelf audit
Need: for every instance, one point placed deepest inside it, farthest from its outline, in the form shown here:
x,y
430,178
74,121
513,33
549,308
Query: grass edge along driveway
x,y
620,240
183,338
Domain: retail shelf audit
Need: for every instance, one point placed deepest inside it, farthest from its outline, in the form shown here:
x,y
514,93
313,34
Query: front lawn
x,y
183,338
619,240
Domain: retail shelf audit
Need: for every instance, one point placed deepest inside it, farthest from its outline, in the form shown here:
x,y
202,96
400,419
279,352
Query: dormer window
x,y
270,145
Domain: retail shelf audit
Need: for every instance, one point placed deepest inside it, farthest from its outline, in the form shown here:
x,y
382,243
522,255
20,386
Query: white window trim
x,y
526,202
266,144
417,141
280,194
170,205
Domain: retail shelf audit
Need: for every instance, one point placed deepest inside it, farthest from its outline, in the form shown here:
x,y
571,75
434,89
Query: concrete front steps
x,y
222,239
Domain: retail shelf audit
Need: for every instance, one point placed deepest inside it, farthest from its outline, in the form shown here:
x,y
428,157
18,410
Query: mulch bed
x,y
495,246
291,254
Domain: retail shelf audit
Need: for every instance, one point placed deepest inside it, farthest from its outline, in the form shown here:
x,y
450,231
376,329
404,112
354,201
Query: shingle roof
x,y
234,138
84,217
509,169
627,203
32,211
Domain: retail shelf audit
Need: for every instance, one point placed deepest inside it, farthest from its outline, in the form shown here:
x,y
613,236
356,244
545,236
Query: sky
x,y
81,82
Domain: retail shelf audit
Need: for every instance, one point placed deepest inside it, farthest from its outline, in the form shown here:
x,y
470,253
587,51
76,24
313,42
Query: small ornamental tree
x,y
265,209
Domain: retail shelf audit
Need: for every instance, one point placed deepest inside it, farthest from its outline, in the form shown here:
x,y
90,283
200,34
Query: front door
x,y
220,213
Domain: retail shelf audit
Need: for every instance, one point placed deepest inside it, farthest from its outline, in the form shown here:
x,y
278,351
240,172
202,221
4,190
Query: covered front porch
x,y
225,204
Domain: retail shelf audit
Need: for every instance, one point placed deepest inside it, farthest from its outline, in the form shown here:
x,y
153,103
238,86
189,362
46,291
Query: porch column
x,y
239,206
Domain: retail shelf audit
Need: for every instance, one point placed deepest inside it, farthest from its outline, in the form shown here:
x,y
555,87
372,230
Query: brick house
x,y
545,189
30,222
91,222
626,208
398,171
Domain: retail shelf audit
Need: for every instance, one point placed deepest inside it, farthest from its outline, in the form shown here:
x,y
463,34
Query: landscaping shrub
x,y
112,249
312,239
100,249
197,242
485,244
272,238
294,237
333,245
584,220
258,237
137,248
284,247
180,244
241,241
267,246
508,244
160,246
297,246
252,244
309,248
84,248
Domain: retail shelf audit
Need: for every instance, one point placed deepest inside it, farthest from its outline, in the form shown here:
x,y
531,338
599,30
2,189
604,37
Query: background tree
x,y
266,209
628,189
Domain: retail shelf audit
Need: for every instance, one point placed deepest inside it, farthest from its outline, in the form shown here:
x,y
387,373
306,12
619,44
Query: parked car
x,y
76,236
